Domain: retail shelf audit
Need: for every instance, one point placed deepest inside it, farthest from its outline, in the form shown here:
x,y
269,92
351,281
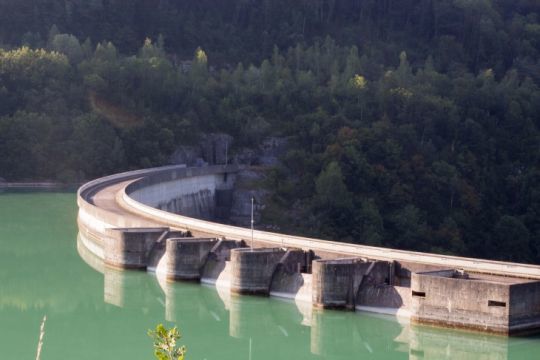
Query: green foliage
x,y
358,82
68,45
165,343
331,190
413,126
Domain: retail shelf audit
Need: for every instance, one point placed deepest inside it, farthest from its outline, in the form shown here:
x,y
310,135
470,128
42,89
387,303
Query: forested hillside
x,y
411,124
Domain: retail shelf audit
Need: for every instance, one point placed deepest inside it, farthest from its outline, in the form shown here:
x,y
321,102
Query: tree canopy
x,y
411,125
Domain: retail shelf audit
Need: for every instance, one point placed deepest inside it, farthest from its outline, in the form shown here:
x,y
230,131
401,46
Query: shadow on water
x,y
269,328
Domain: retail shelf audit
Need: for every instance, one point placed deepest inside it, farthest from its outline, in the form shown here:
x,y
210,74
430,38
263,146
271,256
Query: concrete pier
x,y
336,282
252,269
333,283
186,257
128,248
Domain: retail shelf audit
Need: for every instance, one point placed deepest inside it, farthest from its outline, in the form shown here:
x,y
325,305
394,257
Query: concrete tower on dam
x,y
163,220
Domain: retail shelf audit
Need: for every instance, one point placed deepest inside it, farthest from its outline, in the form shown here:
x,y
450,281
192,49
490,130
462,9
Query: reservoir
x,y
93,312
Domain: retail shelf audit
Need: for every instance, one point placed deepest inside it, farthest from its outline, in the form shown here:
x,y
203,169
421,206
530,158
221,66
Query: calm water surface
x,y
96,313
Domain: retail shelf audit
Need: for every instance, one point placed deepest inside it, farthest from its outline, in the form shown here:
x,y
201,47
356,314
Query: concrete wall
x,y
337,283
384,296
334,282
129,248
252,269
288,280
217,259
481,304
186,257
524,306
193,196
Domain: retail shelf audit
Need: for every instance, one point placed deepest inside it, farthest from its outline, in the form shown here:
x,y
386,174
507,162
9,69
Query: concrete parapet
x,y
186,257
128,248
480,302
252,269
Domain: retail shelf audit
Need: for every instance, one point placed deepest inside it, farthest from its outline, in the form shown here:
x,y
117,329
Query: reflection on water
x,y
277,328
95,312
433,343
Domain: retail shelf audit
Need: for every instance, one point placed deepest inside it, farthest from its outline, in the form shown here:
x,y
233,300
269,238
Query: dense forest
x,y
411,124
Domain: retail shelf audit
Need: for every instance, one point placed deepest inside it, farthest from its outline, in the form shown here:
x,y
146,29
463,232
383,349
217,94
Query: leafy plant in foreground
x,y
165,343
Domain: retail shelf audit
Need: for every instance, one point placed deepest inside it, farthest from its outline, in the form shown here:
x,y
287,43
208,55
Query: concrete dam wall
x,y
162,220
205,196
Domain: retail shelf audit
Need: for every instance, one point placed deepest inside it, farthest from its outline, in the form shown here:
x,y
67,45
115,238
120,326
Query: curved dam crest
x,y
160,219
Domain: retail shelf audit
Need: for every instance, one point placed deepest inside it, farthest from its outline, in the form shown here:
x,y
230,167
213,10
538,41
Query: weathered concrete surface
x,y
336,283
100,206
186,257
252,269
122,186
455,299
524,307
332,283
128,248
191,196
380,277
287,279
217,259
157,252
382,298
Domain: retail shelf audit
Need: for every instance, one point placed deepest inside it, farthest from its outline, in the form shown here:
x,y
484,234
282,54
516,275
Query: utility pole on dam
x,y
252,222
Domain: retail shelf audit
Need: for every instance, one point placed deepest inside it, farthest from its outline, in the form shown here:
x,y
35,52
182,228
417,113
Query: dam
x,y
162,220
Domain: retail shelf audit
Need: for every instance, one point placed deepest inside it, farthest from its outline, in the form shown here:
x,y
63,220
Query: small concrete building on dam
x,y
163,220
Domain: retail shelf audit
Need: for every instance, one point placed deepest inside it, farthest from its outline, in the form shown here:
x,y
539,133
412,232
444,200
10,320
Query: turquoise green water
x,y
93,313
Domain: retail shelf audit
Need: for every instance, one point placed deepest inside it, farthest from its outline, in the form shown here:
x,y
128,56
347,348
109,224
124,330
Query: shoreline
x,y
35,185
